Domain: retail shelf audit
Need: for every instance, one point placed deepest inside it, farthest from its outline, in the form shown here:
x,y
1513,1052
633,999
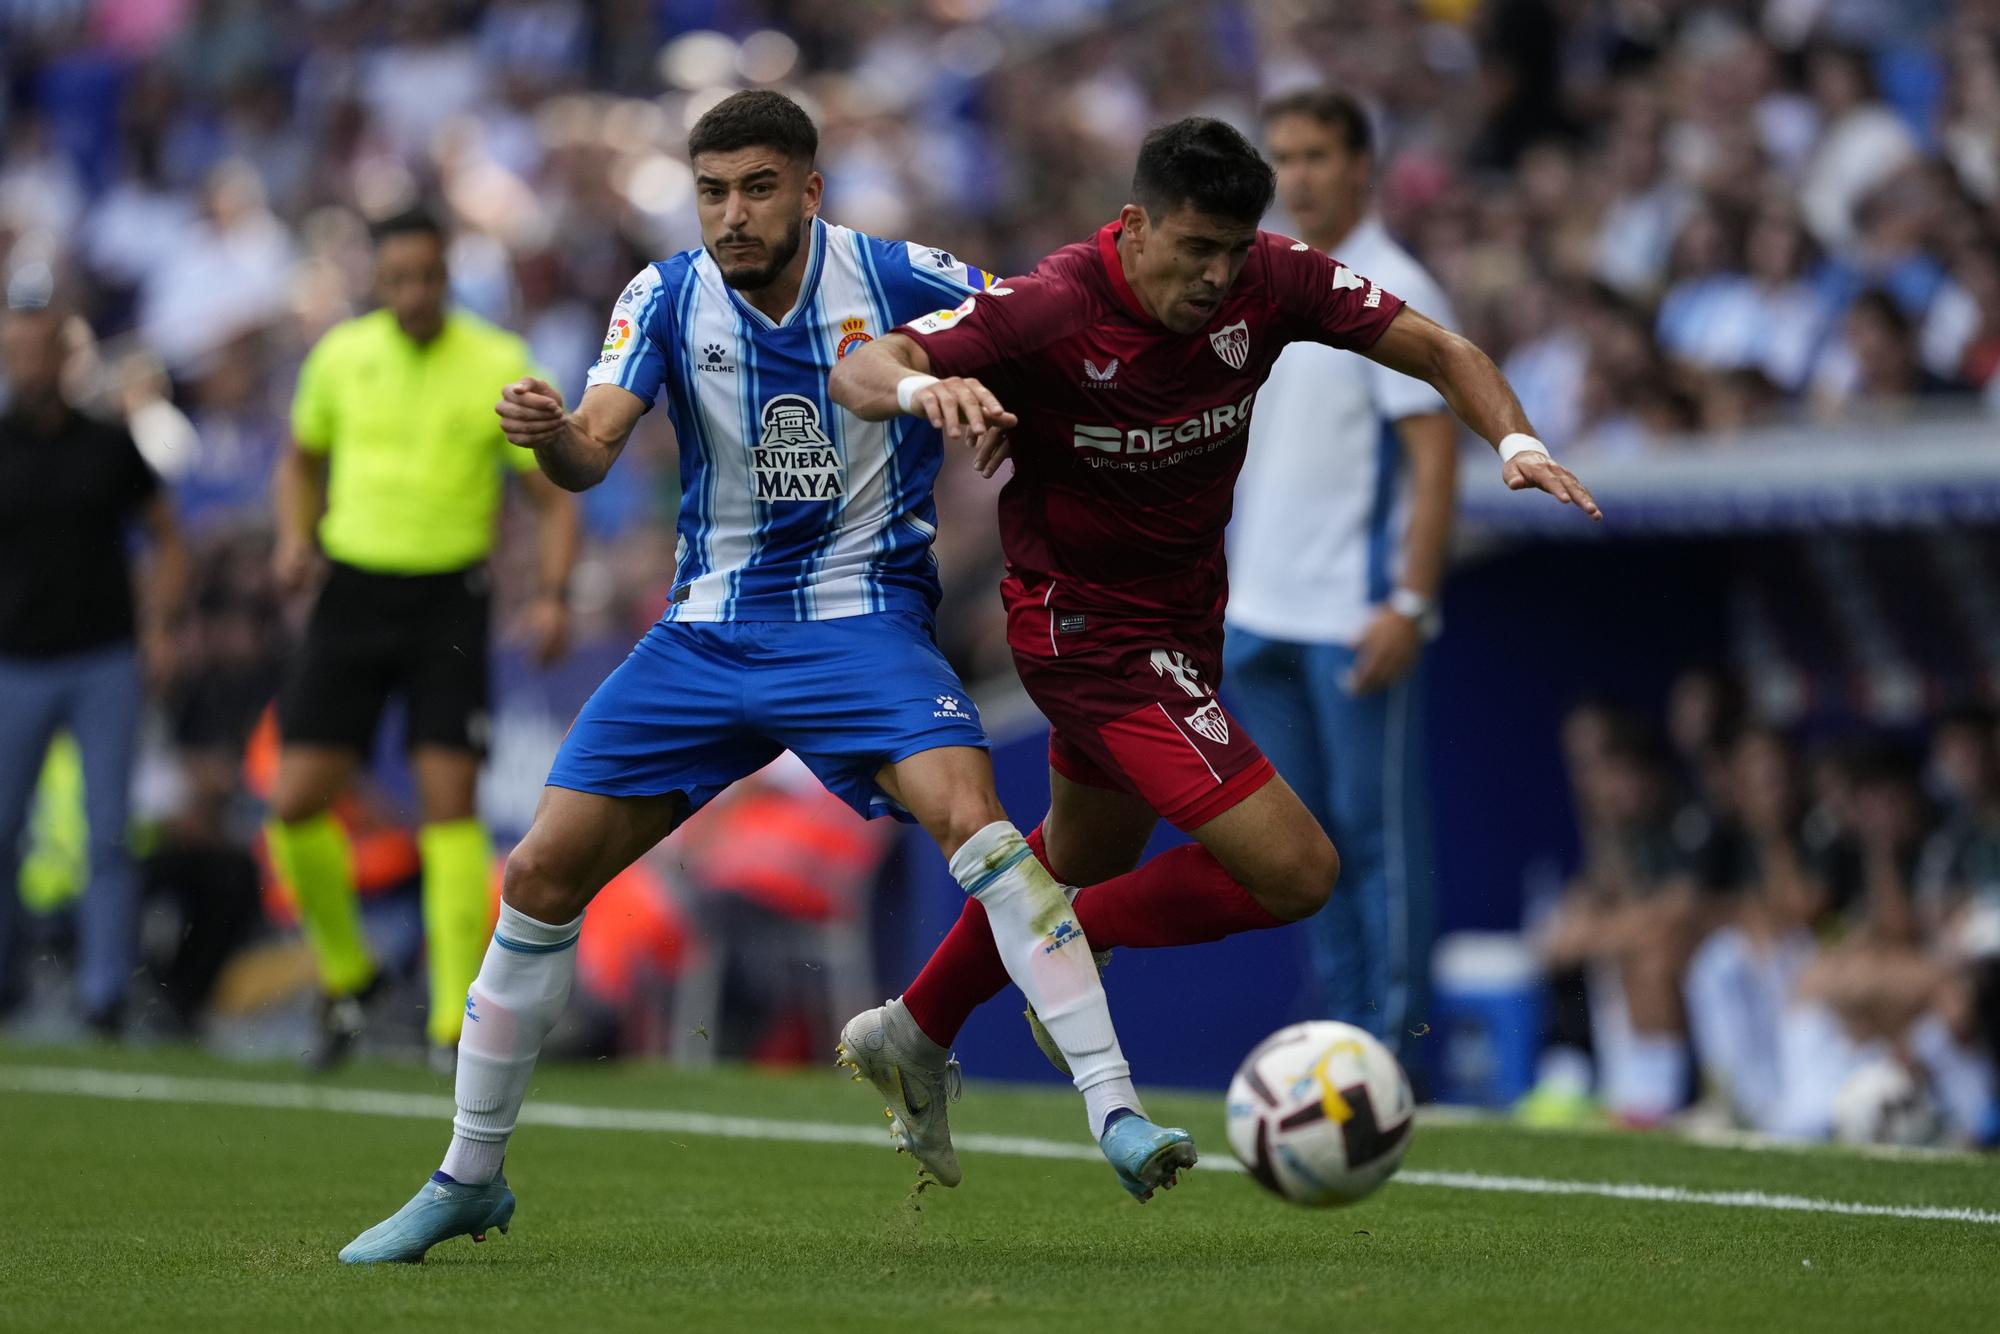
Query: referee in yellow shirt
x,y
396,474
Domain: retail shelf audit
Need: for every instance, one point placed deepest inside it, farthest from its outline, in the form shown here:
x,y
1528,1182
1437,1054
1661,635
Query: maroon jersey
x,y
1131,435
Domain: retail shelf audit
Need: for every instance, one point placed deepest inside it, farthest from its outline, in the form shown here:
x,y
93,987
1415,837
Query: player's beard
x,y
751,280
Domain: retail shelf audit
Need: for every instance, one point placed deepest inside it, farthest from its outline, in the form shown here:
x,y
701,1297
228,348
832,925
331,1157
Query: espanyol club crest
x,y
1232,343
1211,722
853,333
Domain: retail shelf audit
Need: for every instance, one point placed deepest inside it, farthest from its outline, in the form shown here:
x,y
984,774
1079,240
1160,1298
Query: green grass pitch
x,y
144,1214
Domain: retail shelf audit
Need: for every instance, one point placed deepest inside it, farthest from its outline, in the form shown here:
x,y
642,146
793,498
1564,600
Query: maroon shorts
x,y
1132,706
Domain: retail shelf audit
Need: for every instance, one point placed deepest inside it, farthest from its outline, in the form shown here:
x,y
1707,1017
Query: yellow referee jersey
x,y
415,456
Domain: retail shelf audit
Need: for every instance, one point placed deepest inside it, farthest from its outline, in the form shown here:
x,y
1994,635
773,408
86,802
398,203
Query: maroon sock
x,y
963,972
1181,897
1040,847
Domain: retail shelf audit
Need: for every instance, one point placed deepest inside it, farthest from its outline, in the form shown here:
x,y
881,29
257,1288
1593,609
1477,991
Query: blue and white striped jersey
x,y
792,509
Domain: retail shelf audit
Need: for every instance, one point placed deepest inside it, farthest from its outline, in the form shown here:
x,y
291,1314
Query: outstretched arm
x,y
575,449
1482,399
892,375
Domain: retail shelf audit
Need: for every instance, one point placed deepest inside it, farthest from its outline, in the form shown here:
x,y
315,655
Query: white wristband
x,y
909,387
1521,443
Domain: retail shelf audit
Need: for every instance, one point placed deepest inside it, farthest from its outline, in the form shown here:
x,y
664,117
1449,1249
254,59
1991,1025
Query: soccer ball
x,y
1320,1113
1883,1103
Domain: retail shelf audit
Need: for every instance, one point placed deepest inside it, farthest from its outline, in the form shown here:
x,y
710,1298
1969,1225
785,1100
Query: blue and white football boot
x,y
438,1212
1146,1157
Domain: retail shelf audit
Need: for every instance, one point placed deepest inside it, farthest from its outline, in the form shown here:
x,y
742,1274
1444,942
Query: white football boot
x,y
915,1076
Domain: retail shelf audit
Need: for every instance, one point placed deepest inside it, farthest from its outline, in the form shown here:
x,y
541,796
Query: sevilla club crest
x,y
1232,343
1211,722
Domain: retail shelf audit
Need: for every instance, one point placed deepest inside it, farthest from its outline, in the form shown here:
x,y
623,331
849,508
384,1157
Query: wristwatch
x,y
1408,602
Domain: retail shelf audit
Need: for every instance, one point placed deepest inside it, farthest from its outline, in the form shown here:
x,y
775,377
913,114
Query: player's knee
x,y
1303,880
534,885
966,814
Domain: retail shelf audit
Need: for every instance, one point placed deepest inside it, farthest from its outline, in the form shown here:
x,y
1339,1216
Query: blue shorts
x,y
700,704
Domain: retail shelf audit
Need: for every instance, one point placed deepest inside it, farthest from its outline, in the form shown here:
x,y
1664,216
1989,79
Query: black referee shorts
x,y
372,636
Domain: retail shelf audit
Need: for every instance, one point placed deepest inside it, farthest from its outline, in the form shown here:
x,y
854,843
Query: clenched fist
x,y
531,412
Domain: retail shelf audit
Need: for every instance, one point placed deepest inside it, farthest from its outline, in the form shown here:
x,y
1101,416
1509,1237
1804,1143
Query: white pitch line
x,y
134,1087
1728,1199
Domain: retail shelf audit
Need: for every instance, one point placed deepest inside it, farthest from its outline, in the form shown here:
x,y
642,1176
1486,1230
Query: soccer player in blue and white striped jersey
x,y
801,619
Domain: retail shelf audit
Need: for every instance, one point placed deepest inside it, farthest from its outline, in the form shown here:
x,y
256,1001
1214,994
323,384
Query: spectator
x,y
1971,131
1704,282
229,278
1862,143
1875,364
1822,939
71,488
1636,230
1770,319
1741,977
1961,337
1630,919
1962,861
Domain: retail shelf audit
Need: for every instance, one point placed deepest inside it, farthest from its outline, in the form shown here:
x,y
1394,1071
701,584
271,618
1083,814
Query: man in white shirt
x,y
1336,550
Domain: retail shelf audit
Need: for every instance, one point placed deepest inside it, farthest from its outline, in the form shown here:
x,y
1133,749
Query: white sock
x,y
1049,959
514,1002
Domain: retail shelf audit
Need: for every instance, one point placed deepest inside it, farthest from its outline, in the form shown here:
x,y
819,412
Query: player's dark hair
x,y
1332,108
757,118
1205,165
409,222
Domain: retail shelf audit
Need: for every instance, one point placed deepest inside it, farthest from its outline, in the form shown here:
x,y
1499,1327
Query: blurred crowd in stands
x,y
1661,216
1760,926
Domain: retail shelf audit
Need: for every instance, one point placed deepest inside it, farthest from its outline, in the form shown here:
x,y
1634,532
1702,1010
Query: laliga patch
x,y
940,320
615,339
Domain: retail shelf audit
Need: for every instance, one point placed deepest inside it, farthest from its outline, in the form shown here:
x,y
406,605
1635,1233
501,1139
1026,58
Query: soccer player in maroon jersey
x,y
1122,374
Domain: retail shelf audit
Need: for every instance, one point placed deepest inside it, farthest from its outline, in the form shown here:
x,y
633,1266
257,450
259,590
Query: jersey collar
x,y
815,261
1114,270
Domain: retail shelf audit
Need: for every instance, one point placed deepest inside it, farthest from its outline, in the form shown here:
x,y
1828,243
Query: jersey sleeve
x,y
941,272
1000,324
1398,395
1321,300
635,350
313,401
